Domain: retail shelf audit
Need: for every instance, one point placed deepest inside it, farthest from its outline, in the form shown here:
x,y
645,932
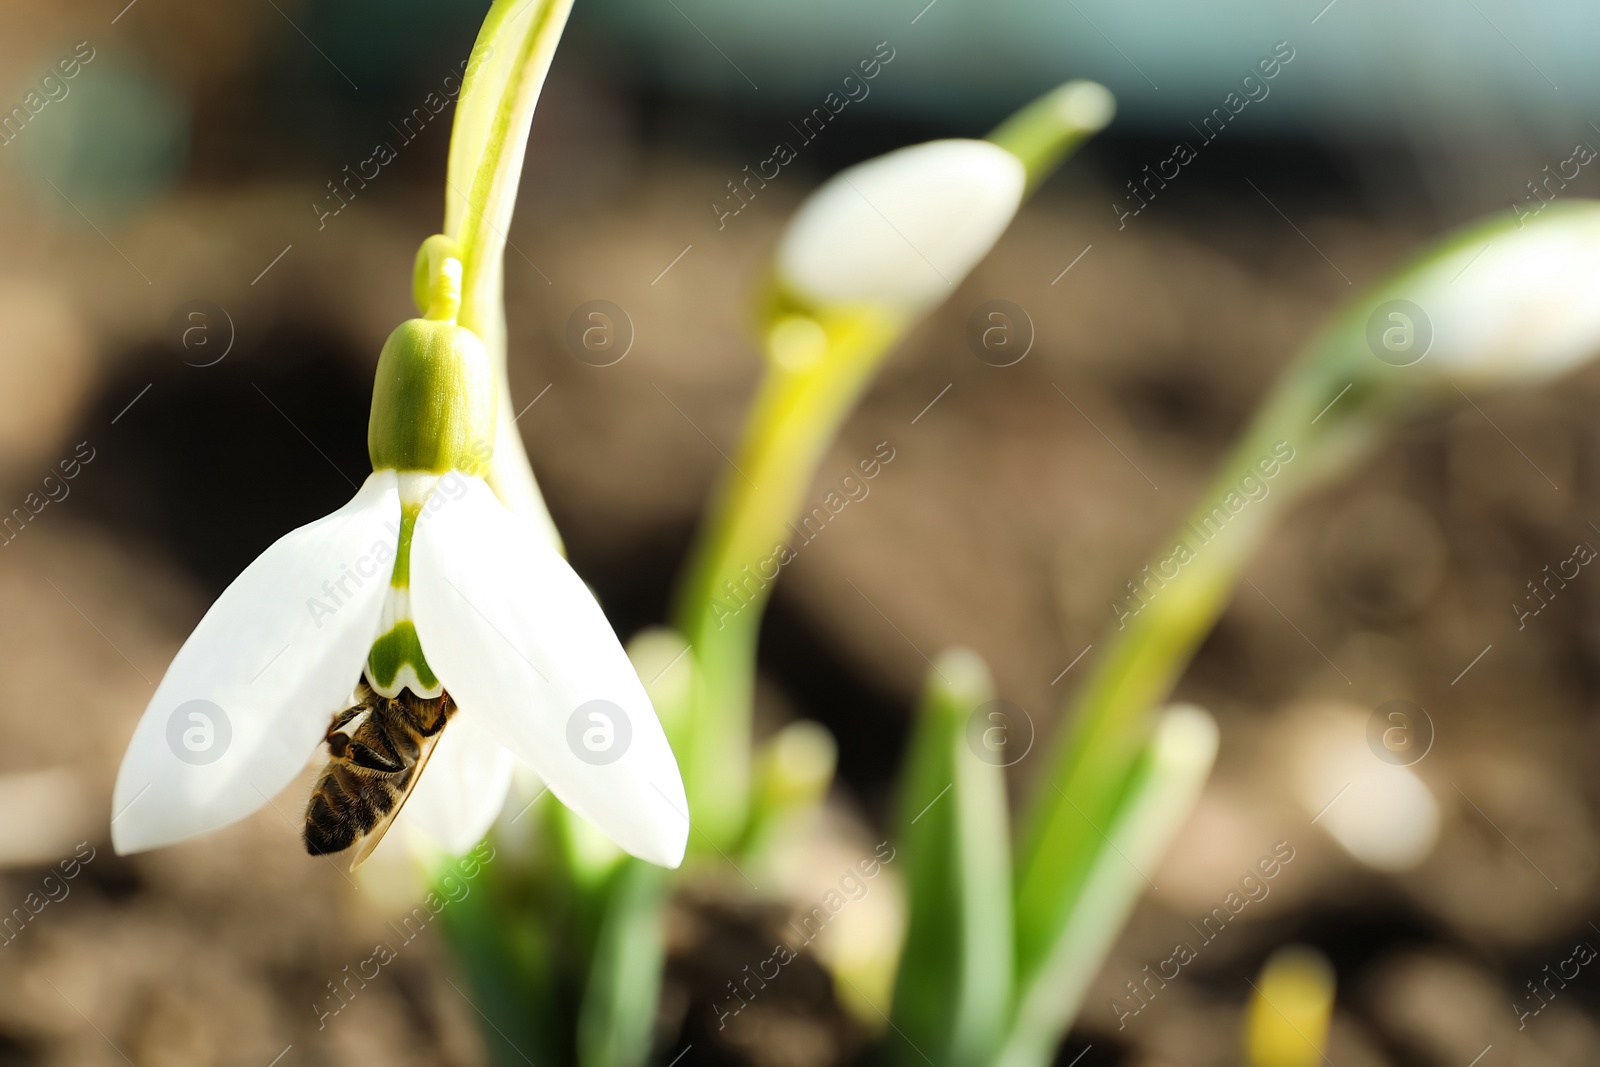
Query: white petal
x,y
463,787
250,693
1513,303
902,229
517,639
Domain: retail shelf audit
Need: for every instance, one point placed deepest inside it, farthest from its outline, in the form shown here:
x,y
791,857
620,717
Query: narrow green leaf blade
x,y
619,1004
1160,793
953,992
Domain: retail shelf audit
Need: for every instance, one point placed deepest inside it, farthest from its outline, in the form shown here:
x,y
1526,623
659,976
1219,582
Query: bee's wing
x,y
370,839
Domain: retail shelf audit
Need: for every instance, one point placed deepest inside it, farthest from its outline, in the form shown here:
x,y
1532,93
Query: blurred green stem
x,y
820,362
1043,132
1511,325
509,967
1108,723
795,417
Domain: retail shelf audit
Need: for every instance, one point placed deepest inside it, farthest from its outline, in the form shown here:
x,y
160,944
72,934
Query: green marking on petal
x,y
395,649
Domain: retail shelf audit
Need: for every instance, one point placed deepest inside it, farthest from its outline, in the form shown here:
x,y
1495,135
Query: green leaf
x,y
953,991
619,1004
1158,797
504,949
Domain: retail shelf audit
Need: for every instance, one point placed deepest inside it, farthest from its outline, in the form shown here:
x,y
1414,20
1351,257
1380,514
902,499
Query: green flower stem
x,y
1109,719
515,948
1331,407
821,361
505,73
1161,791
796,415
1042,133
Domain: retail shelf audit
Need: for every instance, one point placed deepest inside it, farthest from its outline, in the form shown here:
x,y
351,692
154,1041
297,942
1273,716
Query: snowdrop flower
x,y
1514,301
902,230
425,588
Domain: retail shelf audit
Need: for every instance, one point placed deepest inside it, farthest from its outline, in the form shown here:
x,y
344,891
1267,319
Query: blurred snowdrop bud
x,y
664,661
902,230
1286,1024
1513,302
797,765
1383,814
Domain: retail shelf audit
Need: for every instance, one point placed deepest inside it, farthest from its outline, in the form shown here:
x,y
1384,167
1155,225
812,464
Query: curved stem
x,y
505,73
797,412
744,542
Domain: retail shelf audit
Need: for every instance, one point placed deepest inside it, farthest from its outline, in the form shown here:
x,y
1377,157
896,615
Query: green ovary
x,y
433,397
395,649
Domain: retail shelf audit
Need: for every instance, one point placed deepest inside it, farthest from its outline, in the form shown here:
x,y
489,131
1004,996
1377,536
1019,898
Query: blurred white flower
x,y
1509,302
1380,812
902,230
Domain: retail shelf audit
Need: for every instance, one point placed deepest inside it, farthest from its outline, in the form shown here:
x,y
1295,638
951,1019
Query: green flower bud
x,y
433,403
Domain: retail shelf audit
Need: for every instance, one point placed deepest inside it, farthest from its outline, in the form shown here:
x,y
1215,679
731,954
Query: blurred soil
x,y
1014,510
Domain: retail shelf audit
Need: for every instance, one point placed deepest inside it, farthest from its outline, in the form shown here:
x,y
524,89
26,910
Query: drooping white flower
x,y
1514,301
423,582
902,230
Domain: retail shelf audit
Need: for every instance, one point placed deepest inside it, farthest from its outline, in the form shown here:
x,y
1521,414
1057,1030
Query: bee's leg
x,y
341,719
336,740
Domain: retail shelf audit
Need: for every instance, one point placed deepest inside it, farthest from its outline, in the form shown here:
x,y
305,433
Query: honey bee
x,y
377,750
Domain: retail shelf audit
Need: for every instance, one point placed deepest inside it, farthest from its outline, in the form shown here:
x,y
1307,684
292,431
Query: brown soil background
x,y
1007,522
